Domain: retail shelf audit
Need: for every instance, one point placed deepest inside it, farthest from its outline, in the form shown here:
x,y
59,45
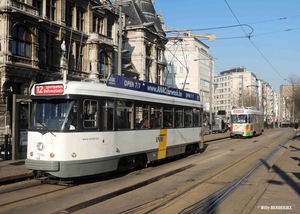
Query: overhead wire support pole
x,y
120,40
210,95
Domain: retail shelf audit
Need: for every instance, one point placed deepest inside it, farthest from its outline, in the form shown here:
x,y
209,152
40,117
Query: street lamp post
x,y
120,40
202,124
210,96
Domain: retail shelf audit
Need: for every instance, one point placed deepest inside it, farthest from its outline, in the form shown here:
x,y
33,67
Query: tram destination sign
x,y
49,89
137,85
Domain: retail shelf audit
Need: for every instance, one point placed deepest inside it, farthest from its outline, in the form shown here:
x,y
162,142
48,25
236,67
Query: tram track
x,y
159,202
211,202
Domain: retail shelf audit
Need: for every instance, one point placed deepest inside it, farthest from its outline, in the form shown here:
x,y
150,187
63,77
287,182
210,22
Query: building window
x,y
187,57
97,24
50,9
69,14
103,65
49,45
21,41
181,69
80,20
78,59
38,4
109,29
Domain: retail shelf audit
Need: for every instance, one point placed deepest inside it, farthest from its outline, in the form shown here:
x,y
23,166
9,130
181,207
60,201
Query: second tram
x,y
246,122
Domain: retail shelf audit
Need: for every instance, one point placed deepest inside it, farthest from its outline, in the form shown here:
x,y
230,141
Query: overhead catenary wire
x,y
180,39
232,26
253,42
244,24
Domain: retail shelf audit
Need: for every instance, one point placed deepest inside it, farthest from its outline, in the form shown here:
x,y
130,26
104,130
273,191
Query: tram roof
x,y
105,90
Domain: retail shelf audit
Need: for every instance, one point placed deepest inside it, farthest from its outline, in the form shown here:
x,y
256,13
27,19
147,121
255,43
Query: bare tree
x,y
250,99
294,91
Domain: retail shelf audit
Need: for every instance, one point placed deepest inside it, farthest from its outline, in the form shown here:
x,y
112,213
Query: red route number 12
x,y
49,89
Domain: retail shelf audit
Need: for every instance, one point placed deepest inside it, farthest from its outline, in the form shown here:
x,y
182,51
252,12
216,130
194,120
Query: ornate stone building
x,y
145,40
41,39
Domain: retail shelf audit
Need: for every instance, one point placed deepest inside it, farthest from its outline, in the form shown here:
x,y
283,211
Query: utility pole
x,y
210,95
242,90
202,127
120,40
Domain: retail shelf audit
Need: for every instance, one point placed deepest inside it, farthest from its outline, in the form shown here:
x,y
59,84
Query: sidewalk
x,y
280,192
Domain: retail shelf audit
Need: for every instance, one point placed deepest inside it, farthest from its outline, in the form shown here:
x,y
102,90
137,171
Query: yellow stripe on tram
x,y
162,143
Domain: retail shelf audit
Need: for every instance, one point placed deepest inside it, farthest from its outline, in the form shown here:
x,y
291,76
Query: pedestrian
x,y
296,127
223,126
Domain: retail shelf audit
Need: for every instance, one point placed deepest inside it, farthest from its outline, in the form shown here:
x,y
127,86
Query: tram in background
x,y
246,122
86,128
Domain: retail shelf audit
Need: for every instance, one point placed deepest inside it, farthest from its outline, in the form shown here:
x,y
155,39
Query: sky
x,y
272,50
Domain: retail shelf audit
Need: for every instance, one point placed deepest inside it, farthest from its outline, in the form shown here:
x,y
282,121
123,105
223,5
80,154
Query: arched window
x,y
103,64
21,41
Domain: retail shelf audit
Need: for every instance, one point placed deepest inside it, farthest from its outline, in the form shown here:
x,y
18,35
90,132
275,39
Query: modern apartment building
x,y
190,67
235,87
239,87
270,103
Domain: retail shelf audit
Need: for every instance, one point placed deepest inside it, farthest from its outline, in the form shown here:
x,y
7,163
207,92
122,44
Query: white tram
x,y
246,122
85,128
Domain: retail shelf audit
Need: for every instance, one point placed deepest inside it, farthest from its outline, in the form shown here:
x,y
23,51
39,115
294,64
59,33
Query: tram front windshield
x,y
239,118
53,114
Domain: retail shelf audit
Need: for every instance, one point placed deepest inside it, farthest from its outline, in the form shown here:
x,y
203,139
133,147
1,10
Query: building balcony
x,y
25,8
21,60
98,38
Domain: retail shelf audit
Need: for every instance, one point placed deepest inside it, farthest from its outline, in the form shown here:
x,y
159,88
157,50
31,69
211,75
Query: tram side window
x,y
188,117
124,117
108,115
179,114
168,116
156,116
141,116
251,118
90,112
196,117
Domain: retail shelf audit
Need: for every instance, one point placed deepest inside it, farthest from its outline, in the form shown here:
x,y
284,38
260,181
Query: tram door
x,y
20,122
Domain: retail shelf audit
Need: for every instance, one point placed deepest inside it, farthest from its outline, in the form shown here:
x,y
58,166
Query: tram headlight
x,y
52,155
73,155
40,146
31,154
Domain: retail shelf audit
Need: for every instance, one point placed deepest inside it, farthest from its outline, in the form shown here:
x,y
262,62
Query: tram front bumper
x,y
38,165
236,133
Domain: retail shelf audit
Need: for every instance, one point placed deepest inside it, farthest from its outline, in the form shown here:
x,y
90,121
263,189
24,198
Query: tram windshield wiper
x,y
44,126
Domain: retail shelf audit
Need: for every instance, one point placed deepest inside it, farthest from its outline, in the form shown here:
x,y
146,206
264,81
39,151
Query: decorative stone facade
x,y
32,50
